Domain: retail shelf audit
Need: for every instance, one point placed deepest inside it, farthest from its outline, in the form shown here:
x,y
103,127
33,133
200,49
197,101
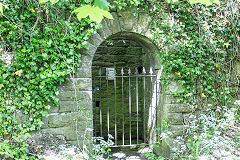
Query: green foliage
x,y
163,129
46,48
16,148
195,46
210,135
95,13
101,147
1,8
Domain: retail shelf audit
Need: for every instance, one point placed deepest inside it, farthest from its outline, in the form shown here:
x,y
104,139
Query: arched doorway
x,y
124,84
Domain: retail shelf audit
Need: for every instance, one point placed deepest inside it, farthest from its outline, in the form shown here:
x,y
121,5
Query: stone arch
x,y
66,119
124,24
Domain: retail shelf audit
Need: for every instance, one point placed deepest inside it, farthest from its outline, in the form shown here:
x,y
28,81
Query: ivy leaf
x,y
203,95
1,8
102,4
19,72
95,13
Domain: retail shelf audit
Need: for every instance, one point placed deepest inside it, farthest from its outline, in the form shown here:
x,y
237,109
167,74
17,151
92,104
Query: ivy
x,y
45,48
196,45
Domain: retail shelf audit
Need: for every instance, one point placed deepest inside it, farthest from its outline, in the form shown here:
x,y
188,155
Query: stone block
x,y
69,132
169,99
104,32
68,106
113,24
237,68
84,139
95,39
80,95
80,84
178,108
85,69
45,122
65,119
71,106
144,21
127,20
175,118
53,109
177,130
149,34
91,48
173,87
102,57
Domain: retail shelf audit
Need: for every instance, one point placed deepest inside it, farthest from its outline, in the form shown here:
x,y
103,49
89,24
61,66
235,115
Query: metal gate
x,y
123,104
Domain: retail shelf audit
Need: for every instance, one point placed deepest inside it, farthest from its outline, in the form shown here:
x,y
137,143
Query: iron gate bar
x,y
95,109
122,105
100,79
130,108
115,111
107,107
156,103
151,72
161,70
137,100
144,106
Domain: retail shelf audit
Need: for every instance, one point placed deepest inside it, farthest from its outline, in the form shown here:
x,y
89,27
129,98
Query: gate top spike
x,y
144,70
100,72
122,72
136,71
151,70
129,71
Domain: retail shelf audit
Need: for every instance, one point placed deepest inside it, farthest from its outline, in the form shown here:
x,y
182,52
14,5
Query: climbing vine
x,y
40,45
199,47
